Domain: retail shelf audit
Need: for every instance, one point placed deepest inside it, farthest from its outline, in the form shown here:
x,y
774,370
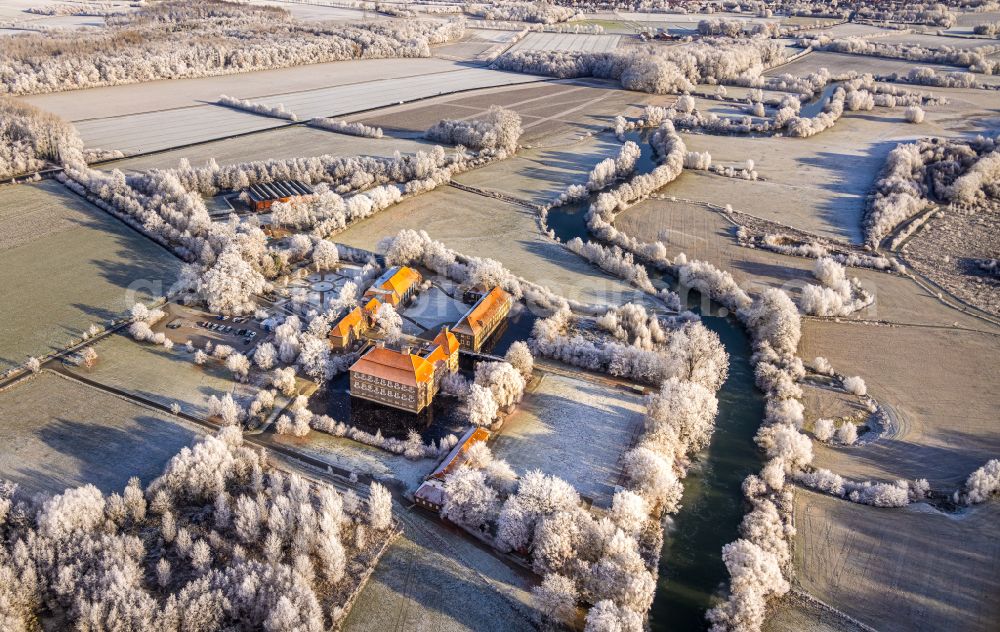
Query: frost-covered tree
x,y
325,255
497,131
483,408
556,598
981,484
379,507
519,356
469,500
265,355
388,322
855,385
503,380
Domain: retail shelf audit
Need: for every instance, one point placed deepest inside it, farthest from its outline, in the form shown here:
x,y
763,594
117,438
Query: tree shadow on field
x,y
588,454
925,571
849,176
603,286
778,274
433,581
945,467
137,263
102,455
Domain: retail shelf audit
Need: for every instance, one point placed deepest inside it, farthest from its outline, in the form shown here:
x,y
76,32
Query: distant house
x,y
430,495
262,196
402,379
483,318
395,286
348,329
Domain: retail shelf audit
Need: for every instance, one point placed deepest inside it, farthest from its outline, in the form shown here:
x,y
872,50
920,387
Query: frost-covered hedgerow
x,y
540,12
497,131
31,138
274,111
354,129
658,70
183,38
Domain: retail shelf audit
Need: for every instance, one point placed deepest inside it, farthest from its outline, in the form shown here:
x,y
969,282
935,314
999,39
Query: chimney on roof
x,y
380,344
444,330
406,349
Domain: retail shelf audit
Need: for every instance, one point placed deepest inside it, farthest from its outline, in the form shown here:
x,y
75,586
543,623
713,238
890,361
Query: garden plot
x,y
429,580
433,309
153,96
65,265
575,429
165,377
487,227
315,291
569,42
58,433
278,144
368,95
899,570
943,410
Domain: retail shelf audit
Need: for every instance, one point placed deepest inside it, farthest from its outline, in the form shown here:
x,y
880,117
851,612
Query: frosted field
x,y
154,131
540,175
151,372
372,94
153,96
946,407
937,41
574,429
432,579
59,433
280,144
553,113
316,12
839,63
478,44
819,184
900,569
364,459
64,265
486,227
847,30
568,42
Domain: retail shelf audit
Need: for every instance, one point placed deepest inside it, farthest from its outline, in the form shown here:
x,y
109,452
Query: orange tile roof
x,y
457,454
402,280
445,344
394,282
372,306
402,368
347,323
472,322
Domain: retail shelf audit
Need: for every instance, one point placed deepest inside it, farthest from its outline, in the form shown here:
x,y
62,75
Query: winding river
x,y
691,568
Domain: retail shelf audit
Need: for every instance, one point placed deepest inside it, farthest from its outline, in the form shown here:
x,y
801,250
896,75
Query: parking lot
x,y
183,324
